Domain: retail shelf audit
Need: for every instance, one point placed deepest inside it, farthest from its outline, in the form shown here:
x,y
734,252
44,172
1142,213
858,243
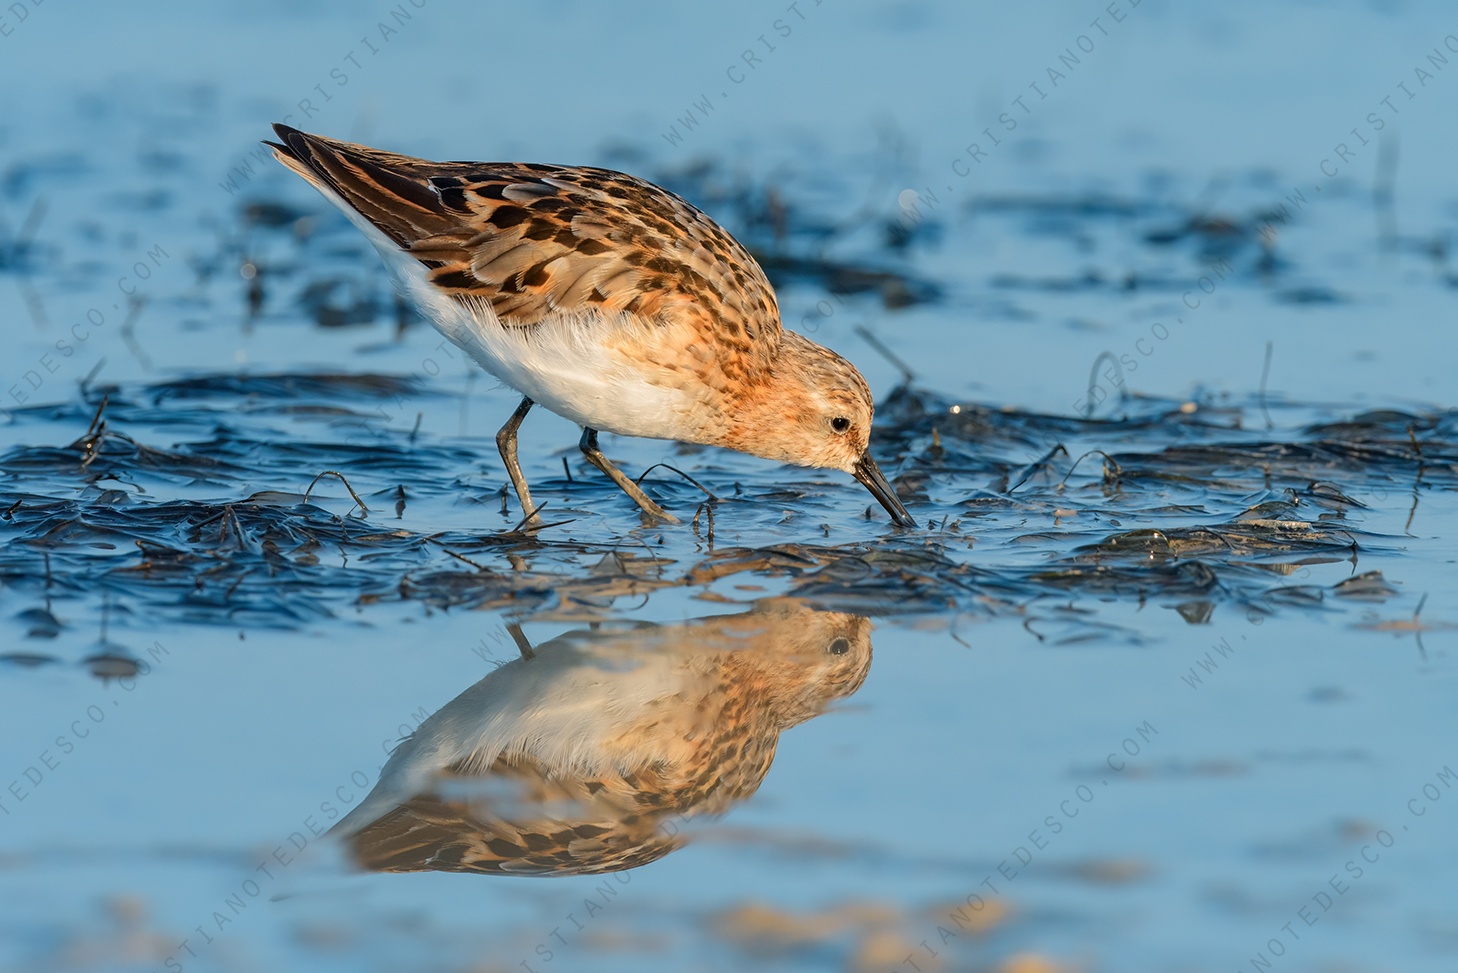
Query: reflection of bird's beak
x,y
869,473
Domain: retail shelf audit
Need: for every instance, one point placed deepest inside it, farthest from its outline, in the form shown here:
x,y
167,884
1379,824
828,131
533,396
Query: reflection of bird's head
x,y
808,658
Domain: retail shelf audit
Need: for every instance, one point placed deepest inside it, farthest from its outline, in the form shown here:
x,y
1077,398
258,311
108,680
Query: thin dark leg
x,y
506,444
523,644
588,445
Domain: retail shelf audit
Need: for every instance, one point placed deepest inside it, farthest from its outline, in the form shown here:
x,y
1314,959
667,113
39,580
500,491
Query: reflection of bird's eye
x,y
840,646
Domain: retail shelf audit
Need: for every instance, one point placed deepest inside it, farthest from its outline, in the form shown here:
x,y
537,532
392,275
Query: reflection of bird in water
x,y
585,754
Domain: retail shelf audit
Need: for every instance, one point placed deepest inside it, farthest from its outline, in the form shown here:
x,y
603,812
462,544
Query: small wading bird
x,y
606,299
590,752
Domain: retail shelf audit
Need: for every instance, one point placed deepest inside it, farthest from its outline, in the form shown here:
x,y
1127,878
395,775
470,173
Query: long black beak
x,y
870,474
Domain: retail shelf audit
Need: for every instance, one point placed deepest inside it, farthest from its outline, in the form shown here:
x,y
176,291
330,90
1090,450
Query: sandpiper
x,y
607,300
590,752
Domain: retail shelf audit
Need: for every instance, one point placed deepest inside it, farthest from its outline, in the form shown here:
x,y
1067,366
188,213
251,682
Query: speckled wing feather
x,y
529,240
429,834
557,825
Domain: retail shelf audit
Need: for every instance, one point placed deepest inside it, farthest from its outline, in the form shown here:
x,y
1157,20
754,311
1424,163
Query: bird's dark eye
x,y
839,647
840,423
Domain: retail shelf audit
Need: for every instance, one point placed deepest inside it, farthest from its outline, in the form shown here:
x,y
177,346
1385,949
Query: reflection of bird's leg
x,y
506,445
523,644
588,445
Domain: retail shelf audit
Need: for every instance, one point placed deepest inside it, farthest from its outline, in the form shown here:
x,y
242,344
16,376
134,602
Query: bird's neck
x,y
762,417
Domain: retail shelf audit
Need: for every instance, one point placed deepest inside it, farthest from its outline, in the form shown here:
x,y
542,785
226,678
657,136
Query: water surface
x,y
1165,684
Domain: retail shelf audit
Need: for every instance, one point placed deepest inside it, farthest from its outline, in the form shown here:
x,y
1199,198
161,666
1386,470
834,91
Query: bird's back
x,y
562,281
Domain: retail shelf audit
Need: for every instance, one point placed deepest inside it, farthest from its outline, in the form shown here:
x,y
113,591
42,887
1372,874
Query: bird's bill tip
x,y
869,474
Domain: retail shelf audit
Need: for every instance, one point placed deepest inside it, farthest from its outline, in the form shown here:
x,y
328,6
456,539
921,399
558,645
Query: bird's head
x,y
814,409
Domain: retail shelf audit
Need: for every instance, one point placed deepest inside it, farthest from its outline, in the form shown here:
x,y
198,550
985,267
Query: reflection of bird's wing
x,y
531,240
574,711
578,827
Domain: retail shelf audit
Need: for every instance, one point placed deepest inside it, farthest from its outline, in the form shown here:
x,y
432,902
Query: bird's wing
x,y
530,240
430,834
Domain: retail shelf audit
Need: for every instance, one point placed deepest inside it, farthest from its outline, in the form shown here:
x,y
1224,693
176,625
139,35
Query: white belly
x,y
565,364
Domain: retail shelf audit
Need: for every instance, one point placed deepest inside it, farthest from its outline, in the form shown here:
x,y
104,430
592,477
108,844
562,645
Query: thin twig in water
x,y
1093,380
1036,465
364,510
707,492
527,518
530,531
1417,480
459,557
92,451
232,519
653,559
223,524
129,333
1265,374
706,508
85,383
1118,470
906,373
1411,513
33,304
97,418
1418,629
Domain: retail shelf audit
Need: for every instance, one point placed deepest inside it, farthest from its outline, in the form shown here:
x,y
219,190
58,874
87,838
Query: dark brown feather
x,y
530,240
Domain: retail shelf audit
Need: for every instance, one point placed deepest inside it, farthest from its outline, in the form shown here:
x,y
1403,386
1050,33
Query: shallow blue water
x,y
1195,810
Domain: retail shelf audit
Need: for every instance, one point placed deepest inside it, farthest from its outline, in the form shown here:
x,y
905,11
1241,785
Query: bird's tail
x,y
393,193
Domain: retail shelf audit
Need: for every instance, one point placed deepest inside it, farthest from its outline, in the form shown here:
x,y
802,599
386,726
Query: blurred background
x,y
1184,704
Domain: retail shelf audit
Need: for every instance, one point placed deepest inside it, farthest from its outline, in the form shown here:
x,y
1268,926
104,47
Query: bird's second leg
x,y
523,644
506,445
589,448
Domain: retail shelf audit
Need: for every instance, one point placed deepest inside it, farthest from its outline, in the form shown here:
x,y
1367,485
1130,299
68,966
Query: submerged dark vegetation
x,y
1180,507
182,500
